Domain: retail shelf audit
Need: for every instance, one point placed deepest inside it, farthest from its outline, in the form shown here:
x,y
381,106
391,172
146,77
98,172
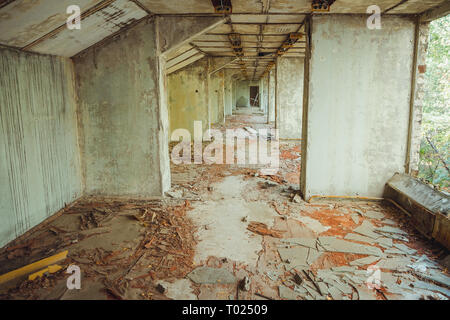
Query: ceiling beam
x,y
435,13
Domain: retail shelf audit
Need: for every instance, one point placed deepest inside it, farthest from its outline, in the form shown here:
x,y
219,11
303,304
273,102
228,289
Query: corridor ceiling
x,y
263,25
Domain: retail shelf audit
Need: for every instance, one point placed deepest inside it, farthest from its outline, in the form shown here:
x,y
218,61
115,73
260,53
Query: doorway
x,y
254,96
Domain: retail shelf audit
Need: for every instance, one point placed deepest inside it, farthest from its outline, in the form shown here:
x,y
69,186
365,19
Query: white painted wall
x,y
357,116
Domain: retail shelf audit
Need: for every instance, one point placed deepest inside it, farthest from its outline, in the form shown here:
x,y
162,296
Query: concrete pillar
x,y
234,95
355,124
123,115
271,102
289,87
229,91
417,95
216,97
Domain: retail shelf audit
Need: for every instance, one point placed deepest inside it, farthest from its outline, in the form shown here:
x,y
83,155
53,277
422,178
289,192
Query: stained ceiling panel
x,y
176,6
94,28
24,21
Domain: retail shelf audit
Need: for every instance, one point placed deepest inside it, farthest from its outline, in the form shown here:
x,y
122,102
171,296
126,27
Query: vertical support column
x,y
125,132
417,95
272,94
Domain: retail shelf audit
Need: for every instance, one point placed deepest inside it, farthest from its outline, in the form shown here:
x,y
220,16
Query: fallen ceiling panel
x,y
24,21
94,28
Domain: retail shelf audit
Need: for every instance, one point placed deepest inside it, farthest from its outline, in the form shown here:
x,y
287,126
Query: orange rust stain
x,y
286,154
340,224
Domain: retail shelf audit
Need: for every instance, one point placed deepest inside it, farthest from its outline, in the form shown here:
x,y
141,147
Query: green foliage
x,y
435,145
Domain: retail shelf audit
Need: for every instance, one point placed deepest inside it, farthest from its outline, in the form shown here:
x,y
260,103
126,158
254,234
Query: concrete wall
x,y
271,104
39,154
188,96
216,97
228,87
357,115
234,94
263,94
289,95
123,116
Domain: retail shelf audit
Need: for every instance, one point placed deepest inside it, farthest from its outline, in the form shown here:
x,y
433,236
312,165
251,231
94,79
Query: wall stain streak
x,y
39,154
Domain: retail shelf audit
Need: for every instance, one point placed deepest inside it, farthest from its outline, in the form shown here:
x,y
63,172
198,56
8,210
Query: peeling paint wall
x,y
39,154
188,97
289,97
122,121
358,111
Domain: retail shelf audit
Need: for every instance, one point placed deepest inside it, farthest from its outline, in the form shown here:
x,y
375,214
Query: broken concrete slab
x,y
367,229
387,242
431,287
207,275
343,269
357,237
364,261
313,255
390,229
355,218
306,242
433,275
405,248
295,257
373,215
287,293
313,224
394,236
335,293
338,245
394,251
397,263
423,264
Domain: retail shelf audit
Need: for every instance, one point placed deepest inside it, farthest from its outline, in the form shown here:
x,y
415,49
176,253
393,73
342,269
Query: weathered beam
x,y
435,13
185,63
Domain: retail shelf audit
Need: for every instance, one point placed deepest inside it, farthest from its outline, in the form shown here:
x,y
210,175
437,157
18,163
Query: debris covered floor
x,y
227,232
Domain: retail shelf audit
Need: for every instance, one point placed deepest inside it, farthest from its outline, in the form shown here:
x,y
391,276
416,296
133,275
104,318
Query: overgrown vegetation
x,y
435,145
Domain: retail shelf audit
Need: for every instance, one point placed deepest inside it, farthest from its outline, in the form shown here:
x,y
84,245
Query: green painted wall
x,y
188,96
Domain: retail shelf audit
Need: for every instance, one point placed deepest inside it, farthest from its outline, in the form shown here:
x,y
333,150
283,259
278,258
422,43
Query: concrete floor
x,y
200,243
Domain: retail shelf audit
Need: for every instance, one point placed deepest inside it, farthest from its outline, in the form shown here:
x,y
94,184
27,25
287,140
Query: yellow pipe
x,y
346,197
33,267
